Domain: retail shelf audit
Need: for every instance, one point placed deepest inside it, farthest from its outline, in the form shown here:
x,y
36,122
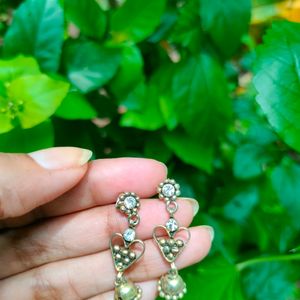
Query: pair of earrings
x,y
126,249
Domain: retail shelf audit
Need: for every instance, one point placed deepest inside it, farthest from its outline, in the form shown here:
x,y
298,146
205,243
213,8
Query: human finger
x,y
84,277
31,180
80,234
103,182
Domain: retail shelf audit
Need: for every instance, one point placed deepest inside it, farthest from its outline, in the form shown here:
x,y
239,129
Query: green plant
x,y
172,80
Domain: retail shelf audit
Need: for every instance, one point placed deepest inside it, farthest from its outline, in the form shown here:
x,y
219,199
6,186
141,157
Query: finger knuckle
x,y
10,201
42,287
29,251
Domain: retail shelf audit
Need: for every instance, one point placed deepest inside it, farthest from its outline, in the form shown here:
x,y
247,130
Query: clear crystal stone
x,y
168,190
130,202
172,225
129,235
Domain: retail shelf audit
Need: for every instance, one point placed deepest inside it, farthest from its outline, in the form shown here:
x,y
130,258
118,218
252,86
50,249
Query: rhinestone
x,y
132,255
130,202
129,235
168,190
172,225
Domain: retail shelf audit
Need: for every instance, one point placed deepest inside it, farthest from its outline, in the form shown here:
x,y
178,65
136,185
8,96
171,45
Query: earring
x,y
126,249
171,286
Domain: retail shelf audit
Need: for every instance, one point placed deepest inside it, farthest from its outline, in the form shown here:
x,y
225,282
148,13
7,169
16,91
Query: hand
x,y
57,215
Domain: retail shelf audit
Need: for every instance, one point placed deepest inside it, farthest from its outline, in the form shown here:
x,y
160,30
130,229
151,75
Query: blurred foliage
x,y
172,80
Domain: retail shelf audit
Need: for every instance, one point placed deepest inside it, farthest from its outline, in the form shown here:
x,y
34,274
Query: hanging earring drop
x,y
126,249
171,286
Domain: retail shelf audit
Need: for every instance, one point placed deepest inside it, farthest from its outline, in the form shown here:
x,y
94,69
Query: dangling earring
x,y
126,249
171,285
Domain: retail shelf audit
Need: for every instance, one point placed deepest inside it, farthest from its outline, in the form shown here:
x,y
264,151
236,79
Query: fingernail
x,y
211,231
61,157
195,205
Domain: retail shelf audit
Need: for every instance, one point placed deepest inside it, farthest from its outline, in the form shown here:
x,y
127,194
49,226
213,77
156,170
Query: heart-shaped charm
x,y
171,247
124,254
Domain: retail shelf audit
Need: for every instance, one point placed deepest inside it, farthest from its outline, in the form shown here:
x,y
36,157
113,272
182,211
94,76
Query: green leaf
x,y
75,106
130,72
187,31
37,30
10,70
18,66
35,98
163,80
6,123
76,133
87,15
166,25
190,150
89,65
28,140
226,22
215,279
286,183
270,216
241,205
201,97
271,280
143,109
250,161
136,20
156,149
277,80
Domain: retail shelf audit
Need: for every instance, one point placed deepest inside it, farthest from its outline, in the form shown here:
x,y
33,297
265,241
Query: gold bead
x,y
162,242
127,291
179,243
119,265
170,256
166,249
175,249
172,286
171,242
116,248
126,260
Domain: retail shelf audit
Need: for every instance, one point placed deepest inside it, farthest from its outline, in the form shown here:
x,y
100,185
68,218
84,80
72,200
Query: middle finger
x,y
79,234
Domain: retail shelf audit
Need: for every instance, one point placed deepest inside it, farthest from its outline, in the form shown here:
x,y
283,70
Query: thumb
x,y
30,180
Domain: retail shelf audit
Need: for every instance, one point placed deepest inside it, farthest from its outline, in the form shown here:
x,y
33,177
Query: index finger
x,y
101,185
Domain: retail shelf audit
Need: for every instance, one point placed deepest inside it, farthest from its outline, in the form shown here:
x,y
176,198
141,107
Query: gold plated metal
x,y
126,249
171,247
171,240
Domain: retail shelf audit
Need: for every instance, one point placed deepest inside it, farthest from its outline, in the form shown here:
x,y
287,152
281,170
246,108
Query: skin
x,y
56,219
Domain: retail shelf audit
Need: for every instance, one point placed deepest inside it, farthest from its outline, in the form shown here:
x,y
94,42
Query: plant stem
x,y
247,263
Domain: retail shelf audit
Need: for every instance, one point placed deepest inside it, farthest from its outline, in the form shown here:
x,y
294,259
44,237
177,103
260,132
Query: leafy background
x,y
211,88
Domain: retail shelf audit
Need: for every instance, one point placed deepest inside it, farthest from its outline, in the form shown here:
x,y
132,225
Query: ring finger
x,y
87,276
